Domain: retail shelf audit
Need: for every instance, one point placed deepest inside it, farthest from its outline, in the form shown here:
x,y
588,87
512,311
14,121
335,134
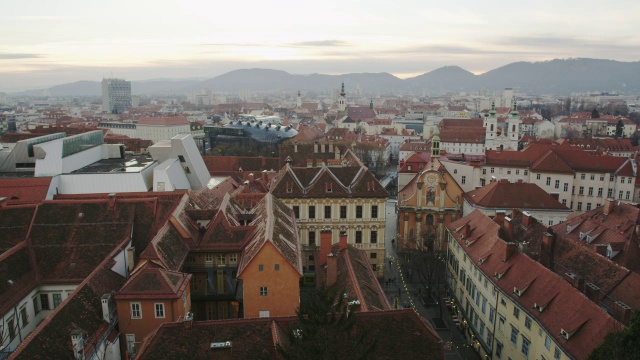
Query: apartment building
x,y
116,95
343,199
511,306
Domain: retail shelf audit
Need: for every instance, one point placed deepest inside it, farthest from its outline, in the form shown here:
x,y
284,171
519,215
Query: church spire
x,y
342,93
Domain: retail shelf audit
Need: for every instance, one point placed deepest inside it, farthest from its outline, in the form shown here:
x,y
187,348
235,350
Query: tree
x,y
428,267
327,329
619,129
595,114
620,345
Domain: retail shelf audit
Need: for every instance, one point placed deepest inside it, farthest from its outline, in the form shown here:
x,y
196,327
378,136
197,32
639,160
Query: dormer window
x,y
329,187
289,188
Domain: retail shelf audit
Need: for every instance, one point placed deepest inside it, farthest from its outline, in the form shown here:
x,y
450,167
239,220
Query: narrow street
x,y
404,294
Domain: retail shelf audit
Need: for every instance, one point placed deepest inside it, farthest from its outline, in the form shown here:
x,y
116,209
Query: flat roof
x,y
130,164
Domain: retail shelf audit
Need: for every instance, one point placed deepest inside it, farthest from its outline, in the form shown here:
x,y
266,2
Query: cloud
x,y
5,56
320,43
558,42
454,50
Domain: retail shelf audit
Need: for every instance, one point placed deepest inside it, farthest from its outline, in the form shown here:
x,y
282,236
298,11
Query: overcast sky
x,y
48,42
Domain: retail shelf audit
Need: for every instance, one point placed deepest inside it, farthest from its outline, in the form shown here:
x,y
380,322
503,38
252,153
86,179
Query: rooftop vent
x,y
221,345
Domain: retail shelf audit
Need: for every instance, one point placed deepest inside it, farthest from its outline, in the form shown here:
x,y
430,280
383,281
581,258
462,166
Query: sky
x,y
50,42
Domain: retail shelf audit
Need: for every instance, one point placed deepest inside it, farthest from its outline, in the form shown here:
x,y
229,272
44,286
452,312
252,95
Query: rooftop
x,y
130,164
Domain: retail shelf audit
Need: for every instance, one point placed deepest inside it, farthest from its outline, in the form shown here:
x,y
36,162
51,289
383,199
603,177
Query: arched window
x,y
491,127
513,128
455,171
429,219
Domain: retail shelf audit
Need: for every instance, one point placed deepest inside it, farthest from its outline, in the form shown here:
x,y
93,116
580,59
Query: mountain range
x,y
559,76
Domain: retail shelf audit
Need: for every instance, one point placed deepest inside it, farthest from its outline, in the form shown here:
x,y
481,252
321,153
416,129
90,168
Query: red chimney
x,y
332,269
343,240
527,219
547,242
499,218
509,250
608,206
326,237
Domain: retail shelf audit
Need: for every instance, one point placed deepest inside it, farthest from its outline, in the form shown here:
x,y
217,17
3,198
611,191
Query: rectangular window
x,y
590,191
374,255
566,187
628,195
464,180
611,178
327,212
526,172
136,311
588,206
358,237
260,267
374,211
484,305
557,184
527,322
208,258
581,191
221,259
264,291
312,212
359,212
582,176
233,258
44,302
547,342
312,237
516,312
514,335
501,323
492,314
131,340
482,182
276,267
525,346
556,354
600,192
620,194
343,212
610,193
159,310
601,177
629,180
498,349
34,301
57,299
622,180
579,208
23,316
537,176
296,211
548,181
484,171
493,170
517,171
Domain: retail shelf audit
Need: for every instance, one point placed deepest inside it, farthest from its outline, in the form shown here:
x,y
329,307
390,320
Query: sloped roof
x,y
462,135
24,190
566,309
154,282
163,121
506,195
274,223
14,225
397,333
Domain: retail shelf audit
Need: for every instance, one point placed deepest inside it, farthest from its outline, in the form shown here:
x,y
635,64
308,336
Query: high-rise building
x,y
116,95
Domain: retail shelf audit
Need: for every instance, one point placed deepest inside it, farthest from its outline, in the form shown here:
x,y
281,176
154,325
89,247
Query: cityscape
x,y
369,181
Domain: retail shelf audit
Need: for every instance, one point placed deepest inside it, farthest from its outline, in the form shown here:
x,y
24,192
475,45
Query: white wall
x,y
103,183
172,174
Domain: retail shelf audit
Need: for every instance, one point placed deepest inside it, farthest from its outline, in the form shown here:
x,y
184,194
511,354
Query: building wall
x,y
148,322
157,133
283,285
351,224
488,314
103,183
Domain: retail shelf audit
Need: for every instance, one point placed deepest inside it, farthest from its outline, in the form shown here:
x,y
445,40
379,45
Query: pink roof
x,y
163,121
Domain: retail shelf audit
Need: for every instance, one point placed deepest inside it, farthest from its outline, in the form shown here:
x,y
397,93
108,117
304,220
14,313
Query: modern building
x,y
116,95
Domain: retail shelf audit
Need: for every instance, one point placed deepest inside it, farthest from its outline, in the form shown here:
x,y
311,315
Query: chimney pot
x,y
608,206
509,250
343,240
332,269
326,239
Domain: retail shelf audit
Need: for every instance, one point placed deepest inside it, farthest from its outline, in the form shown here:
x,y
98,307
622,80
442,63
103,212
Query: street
x,y
404,293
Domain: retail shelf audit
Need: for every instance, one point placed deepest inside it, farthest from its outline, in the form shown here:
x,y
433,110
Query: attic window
x,y
289,187
329,187
565,335
538,308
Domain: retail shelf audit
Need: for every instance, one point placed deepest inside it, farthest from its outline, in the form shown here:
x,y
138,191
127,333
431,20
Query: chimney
x,y
251,177
295,146
499,218
548,242
608,206
332,269
343,240
326,238
622,312
509,250
514,212
578,283
508,230
77,340
592,292
131,258
527,219
112,201
107,307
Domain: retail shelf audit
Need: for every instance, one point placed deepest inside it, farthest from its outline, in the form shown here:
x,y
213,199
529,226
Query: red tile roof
x,y
151,282
506,195
24,190
565,308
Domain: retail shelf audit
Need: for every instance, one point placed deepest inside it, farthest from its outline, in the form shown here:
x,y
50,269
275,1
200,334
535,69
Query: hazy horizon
x,y
52,43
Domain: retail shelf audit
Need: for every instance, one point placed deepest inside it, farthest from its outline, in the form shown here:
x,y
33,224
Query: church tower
x,y
435,143
299,100
491,123
514,124
342,101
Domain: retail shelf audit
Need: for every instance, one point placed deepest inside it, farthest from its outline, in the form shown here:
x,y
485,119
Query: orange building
x,y
429,202
151,297
271,264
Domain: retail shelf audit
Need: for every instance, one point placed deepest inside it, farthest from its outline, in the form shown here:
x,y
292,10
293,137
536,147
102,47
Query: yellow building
x,y
511,306
341,199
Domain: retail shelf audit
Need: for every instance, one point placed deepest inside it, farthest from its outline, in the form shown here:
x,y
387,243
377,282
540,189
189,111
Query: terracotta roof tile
x,y
505,195
24,190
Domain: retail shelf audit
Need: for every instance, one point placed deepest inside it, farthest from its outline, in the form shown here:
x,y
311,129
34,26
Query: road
x,y
456,346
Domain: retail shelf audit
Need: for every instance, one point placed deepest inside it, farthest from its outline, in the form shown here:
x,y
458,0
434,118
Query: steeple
x,y
299,100
342,91
435,143
342,101
371,104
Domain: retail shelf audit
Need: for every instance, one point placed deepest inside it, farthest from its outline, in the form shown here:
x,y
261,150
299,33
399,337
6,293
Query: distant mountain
x,y
554,77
